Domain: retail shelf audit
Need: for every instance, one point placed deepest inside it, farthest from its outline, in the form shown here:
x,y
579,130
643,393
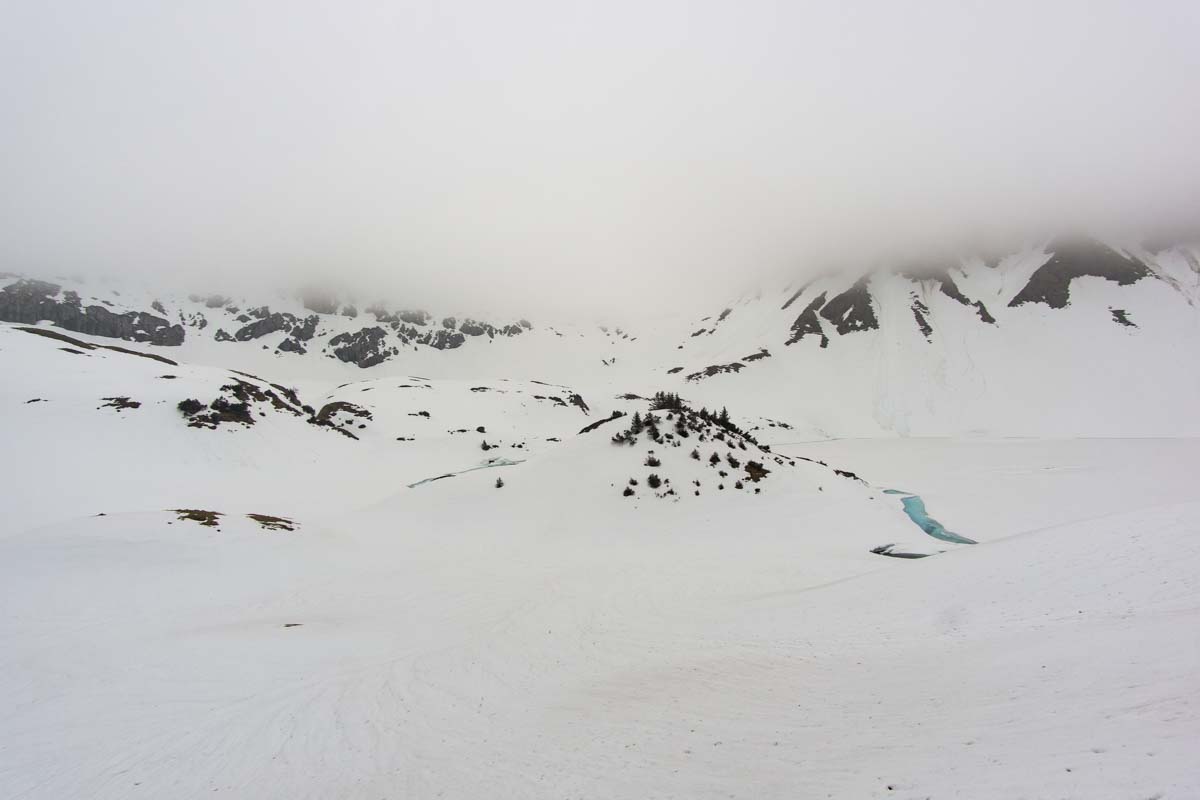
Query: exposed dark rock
x,y
303,331
443,339
215,301
449,323
1051,282
272,323
30,301
366,347
919,310
716,369
222,336
327,417
851,310
350,311
984,314
578,401
886,550
157,306
237,403
939,275
291,345
1121,317
795,296
674,370
62,337
809,324
760,355
474,328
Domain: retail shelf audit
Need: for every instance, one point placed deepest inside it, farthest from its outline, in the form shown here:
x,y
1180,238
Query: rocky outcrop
x,y
443,339
852,310
1051,282
715,369
808,324
366,347
30,301
271,323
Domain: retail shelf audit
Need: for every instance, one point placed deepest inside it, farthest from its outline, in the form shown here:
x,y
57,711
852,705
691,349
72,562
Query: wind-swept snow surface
x,y
217,581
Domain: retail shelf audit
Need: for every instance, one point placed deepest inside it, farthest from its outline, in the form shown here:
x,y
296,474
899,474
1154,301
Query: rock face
x,y
852,310
30,301
808,324
366,347
270,323
1051,283
443,339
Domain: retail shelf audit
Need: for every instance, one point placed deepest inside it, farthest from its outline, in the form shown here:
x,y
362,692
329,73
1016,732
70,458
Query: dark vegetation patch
x,y
599,422
209,519
715,369
328,417
236,405
120,403
272,523
53,334
671,421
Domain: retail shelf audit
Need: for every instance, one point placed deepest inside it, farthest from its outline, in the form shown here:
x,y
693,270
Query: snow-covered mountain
x,y
1006,345
1069,338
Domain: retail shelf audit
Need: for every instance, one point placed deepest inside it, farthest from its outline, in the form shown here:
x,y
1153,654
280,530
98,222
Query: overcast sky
x,y
577,150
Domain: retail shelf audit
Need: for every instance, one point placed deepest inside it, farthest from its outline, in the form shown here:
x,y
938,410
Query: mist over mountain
x,y
599,400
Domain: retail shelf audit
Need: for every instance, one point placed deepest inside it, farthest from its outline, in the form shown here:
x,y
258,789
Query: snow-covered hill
x,y
279,550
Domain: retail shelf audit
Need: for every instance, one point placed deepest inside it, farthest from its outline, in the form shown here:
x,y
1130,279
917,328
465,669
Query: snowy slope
x,y
1021,345
504,569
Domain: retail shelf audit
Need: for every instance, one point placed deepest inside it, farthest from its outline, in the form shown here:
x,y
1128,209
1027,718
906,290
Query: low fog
x,y
579,154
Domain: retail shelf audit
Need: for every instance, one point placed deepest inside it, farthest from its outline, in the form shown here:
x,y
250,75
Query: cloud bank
x,y
579,153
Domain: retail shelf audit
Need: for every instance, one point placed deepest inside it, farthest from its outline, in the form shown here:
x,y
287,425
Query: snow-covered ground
x,y
553,637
